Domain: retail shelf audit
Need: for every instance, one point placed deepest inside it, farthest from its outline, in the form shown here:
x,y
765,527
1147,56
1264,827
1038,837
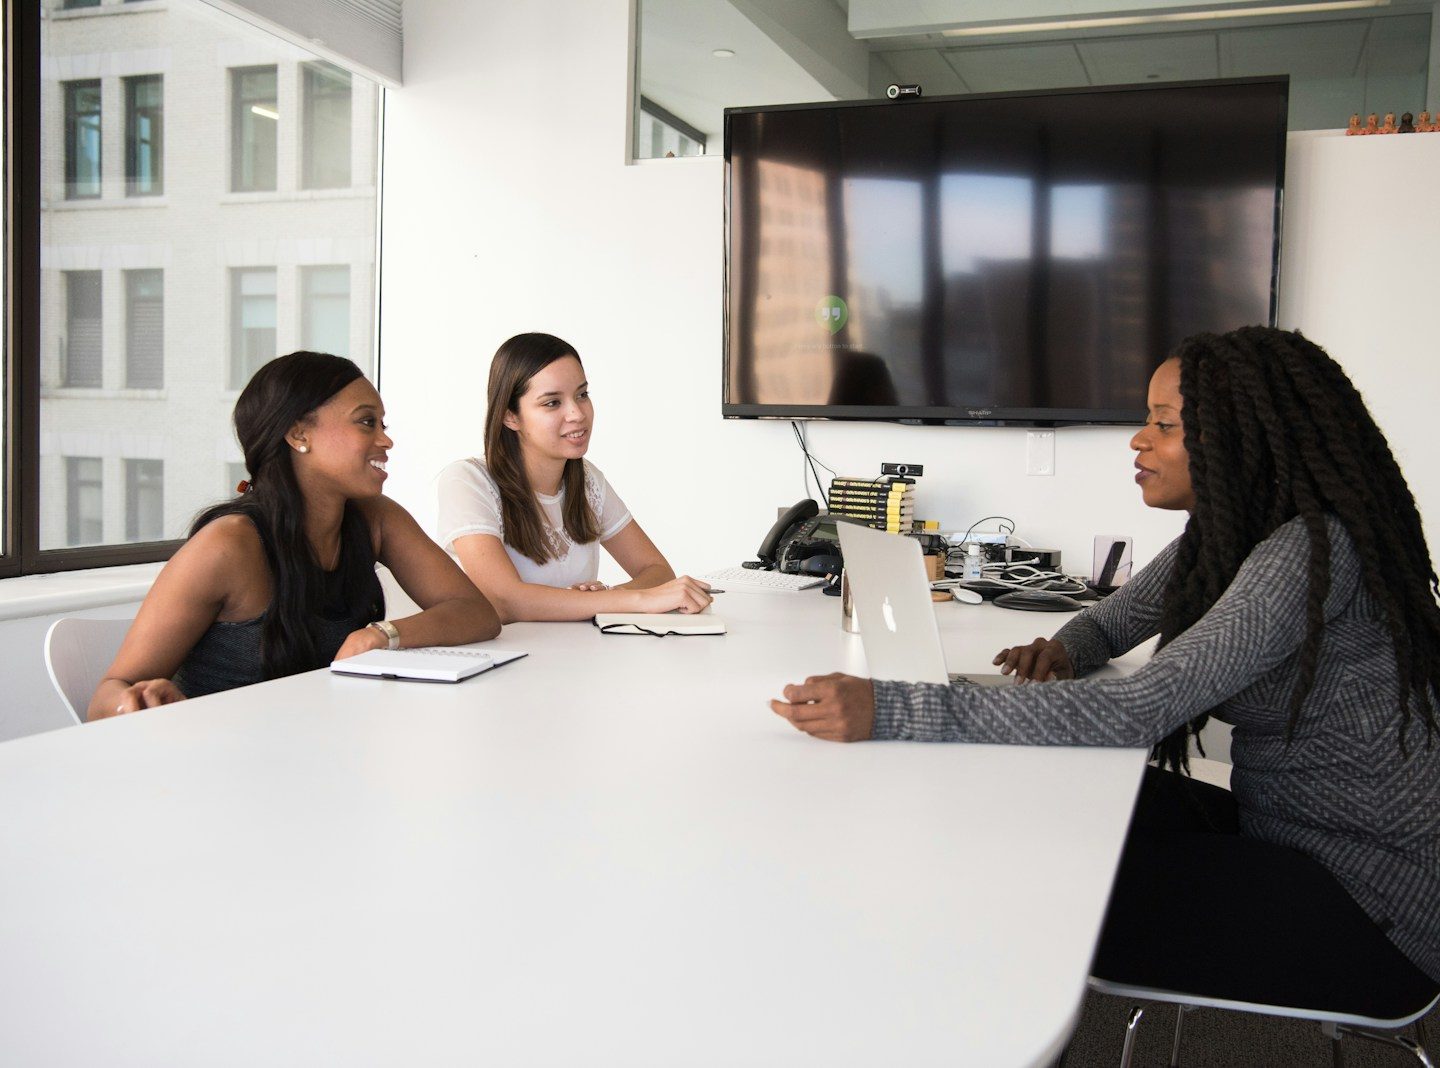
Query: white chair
x,y
77,652
1334,1025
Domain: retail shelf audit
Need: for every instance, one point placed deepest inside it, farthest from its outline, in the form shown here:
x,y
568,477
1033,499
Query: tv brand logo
x,y
832,313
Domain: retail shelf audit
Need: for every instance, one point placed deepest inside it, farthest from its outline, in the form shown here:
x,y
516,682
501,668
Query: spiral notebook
x,y
426,664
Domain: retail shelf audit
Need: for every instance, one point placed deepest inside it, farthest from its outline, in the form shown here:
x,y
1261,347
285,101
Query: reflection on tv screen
x,y
1019,257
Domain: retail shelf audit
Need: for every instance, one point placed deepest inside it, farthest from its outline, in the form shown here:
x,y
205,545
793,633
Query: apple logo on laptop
x,y
889,615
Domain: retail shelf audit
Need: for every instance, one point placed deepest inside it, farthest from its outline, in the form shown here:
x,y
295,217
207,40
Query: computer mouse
x,y
960,593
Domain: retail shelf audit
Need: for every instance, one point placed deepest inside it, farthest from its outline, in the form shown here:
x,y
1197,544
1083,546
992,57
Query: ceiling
x,y
790,51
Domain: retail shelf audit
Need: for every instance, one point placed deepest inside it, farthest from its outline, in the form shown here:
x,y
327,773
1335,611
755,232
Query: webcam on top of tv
x,y
895,92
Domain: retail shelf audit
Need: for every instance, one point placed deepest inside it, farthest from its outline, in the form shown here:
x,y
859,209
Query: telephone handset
x,y
769,550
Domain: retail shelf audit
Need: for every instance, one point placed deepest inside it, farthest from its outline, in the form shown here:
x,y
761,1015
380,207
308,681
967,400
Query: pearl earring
x,y
303,448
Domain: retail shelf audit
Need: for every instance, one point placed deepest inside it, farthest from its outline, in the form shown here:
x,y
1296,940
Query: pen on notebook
x,y
712,591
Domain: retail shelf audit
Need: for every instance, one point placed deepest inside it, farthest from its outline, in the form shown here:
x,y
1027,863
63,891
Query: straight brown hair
x,y
516,362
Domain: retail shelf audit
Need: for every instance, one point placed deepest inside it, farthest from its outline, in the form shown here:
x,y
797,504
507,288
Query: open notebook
x,y
659,624
426,664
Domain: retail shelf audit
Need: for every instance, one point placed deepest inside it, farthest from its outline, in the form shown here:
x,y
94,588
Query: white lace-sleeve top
x,y
470,504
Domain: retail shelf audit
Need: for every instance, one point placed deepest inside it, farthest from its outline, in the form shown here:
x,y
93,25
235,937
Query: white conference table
x,y
610,852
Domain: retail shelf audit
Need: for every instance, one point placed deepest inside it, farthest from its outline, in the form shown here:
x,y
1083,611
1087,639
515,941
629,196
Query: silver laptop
x,y
891,593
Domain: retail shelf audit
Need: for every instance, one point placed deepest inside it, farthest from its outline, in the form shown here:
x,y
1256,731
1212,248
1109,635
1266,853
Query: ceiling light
x,y
1105,21
264,113
723,53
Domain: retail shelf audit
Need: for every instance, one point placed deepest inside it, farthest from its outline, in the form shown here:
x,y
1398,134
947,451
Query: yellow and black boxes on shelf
x,y
885,503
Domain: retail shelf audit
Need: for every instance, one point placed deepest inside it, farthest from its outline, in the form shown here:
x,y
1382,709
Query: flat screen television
x,y
997,259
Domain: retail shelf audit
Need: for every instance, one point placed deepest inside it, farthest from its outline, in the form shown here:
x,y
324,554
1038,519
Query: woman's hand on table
x,y
683,594
362,641
1043,660
148,693
838,708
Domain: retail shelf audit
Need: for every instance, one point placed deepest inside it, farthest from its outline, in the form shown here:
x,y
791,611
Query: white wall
x,y
30,704
509,207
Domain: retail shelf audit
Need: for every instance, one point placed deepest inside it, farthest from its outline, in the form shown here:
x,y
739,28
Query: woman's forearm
x,y
654,575
535,603
457,621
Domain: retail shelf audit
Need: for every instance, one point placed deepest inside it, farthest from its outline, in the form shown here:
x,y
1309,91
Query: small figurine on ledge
x,y
1423,126
1371,124
1389,127
1407,123
1353,130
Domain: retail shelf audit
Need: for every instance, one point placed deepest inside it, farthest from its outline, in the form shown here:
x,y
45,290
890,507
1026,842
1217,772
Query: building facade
x,y
209,202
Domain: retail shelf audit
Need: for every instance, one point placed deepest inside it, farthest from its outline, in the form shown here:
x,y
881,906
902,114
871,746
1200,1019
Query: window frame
x,y
313,76
20,552
132,85
131,279
67,368
71,124
21,382
136,472
237,128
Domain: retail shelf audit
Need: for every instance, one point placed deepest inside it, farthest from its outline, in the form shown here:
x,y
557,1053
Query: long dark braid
x,y
1275,430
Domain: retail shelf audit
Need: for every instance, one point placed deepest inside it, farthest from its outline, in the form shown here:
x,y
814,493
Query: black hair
x,y
285,391
1275,430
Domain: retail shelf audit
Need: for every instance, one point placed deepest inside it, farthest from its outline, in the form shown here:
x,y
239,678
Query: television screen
x,y
1021,258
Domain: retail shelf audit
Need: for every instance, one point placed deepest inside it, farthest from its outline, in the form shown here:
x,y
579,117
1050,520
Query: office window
x,y
83,329
325,309
194,301
144,135
254,124
84,500
144,329
82,139
144,500
252,321
325,142
71,5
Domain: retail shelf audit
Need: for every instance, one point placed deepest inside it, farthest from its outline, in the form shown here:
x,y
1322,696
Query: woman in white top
x,y
527,520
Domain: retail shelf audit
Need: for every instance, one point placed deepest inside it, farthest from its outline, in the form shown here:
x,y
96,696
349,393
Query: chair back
x,y
77,652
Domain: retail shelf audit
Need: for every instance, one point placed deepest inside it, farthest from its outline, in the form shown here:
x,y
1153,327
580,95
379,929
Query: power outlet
x,y
1040,452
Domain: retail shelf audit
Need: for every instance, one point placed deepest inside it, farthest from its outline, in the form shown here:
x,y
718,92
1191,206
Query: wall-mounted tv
x,y
998,259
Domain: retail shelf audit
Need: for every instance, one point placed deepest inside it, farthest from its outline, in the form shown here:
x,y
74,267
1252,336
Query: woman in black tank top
x,y
282,578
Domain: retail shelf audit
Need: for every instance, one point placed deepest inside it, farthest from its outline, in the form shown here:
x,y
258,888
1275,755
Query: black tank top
x,y
228,654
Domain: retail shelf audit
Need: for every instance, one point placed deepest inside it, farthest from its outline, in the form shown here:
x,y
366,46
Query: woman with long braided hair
x,y
1299,606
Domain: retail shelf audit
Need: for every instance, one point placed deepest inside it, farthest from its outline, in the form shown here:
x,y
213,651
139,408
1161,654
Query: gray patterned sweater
x,y
1339,791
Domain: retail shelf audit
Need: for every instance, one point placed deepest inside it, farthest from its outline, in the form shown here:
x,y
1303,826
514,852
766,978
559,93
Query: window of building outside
x,y
325,141
144,500
252,321
162,312
84,500
71,5
254,128
84,329
145,135
82,139
325,308
145,329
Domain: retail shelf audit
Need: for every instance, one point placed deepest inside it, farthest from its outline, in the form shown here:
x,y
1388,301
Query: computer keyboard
x,y
744,580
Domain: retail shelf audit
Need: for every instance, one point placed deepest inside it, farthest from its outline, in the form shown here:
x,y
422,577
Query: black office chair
x,y
1335,1025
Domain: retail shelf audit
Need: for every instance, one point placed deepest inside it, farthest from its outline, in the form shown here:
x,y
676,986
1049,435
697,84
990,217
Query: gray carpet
x,y
1215,1039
